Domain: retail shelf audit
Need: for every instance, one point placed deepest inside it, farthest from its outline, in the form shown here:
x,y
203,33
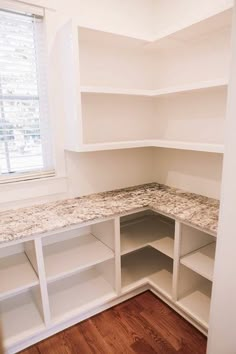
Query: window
x,y
25,148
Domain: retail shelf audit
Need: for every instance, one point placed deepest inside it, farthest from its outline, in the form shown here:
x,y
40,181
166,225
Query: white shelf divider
x,y
197,303
171,144
147,231
16,275
201,261
76,254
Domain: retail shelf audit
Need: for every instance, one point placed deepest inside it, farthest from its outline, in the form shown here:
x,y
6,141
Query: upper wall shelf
x,y
220,19
156,93
182,145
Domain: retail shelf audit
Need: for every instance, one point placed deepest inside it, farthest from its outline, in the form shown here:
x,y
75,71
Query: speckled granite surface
x,y
191,208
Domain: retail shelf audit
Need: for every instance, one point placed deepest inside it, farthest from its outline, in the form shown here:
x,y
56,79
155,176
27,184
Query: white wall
x,y
107,170
128,17
170,15
195,172
222,338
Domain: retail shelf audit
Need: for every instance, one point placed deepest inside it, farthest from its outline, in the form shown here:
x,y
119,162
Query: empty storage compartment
x,y
194,295
21,316
16,270
147,265
197,251
147,229
83,291
78,249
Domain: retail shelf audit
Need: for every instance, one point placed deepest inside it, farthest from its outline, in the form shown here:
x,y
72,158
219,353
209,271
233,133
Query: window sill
x,y
25,177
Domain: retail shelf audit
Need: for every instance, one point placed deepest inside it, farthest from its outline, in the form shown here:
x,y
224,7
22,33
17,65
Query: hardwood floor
x,y
143,325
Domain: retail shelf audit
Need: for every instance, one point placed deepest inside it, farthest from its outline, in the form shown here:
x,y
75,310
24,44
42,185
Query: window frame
x,y
24,8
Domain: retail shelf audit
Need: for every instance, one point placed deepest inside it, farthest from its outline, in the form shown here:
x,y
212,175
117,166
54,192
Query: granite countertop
x,y
193,209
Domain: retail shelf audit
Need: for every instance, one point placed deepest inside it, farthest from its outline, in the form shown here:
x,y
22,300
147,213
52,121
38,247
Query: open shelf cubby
x,y
78,249
197,251
147,265
201,261
21,316
194,295
152,230
16,271
81,292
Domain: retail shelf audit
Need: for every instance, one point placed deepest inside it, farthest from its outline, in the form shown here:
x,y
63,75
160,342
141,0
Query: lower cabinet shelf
x,y
75,254
16,274
201,261
197,303
79,293
21,316
145,265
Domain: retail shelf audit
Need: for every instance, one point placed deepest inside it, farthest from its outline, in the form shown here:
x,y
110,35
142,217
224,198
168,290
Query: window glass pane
x,y
21,147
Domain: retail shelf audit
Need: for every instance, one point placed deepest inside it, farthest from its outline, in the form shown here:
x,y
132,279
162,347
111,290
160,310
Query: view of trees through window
x,y
20,132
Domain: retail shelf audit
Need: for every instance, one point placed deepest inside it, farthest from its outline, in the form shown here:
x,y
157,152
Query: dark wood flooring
x,y
143,325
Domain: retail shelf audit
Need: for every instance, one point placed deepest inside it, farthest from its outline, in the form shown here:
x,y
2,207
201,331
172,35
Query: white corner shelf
x,y
16,274
20,318
114,91
75,254
197,303
159,92
201,261
146,265
79,293
147,231
164,245
171,144
203,85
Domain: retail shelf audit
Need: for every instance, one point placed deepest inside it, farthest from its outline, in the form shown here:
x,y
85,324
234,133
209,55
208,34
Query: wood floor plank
x,y
142,325
143,330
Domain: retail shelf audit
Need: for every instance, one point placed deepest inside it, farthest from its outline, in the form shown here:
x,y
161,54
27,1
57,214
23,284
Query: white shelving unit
x,y
204,85
61,278
181,145
130,99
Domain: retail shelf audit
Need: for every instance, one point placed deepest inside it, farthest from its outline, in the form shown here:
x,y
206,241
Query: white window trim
x,y
27,7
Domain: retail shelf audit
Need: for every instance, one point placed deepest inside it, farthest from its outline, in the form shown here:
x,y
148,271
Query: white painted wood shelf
x,y
197,303
73,255
201,261
146,265
203,85
16,274
170,144
148,231
78,294
21,317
